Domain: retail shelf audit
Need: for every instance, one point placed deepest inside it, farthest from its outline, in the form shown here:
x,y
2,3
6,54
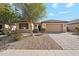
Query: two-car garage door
x,y
50,27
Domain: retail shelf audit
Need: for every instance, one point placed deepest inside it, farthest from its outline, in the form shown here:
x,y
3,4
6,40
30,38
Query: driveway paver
x,y
66,40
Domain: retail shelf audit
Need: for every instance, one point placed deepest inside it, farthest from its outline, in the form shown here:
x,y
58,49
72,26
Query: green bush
x,y
77,28
18,37
43,29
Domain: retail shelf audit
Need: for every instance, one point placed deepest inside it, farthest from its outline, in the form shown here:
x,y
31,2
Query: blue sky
x,y
62,11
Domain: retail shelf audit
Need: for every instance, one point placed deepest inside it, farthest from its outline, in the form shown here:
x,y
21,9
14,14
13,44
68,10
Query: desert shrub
x,y
35,30
18,37
77,28
3,31
43,29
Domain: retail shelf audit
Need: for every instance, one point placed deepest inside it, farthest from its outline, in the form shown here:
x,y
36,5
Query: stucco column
x,y
17,26
64,27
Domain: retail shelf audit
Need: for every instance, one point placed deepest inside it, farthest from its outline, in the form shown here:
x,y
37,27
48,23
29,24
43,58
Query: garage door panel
x,y
54,27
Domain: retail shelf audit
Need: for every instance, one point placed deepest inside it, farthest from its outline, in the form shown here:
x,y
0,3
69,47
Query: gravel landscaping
x,y
42,42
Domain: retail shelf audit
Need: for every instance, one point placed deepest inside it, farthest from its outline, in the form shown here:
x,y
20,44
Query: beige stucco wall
x,y
64,27
72,27
55,27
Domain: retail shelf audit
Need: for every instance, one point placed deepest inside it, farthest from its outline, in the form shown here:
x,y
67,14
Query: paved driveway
x,y
66,40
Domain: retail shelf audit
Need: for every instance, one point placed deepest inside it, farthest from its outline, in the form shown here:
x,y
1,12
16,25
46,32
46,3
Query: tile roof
x,y
73,21
56,21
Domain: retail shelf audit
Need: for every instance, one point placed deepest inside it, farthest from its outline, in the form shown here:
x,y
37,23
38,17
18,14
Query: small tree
x,y
7,15
32,12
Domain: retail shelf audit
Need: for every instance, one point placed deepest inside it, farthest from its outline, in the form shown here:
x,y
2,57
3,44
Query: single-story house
x,y
55,26
50,26
72,25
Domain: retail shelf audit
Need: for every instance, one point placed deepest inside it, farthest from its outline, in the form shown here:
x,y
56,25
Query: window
x,y
23,26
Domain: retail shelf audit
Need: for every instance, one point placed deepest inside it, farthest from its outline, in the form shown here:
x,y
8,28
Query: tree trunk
x,y
31,30
10,29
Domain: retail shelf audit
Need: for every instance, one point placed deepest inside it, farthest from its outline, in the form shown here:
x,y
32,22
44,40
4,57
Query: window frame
x,y
26,25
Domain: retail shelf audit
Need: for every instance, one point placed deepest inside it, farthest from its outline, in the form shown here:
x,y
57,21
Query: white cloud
x,y
64,12
69,5
54,5
51,14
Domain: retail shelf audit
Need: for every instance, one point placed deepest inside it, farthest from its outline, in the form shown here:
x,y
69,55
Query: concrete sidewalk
x,y
39,53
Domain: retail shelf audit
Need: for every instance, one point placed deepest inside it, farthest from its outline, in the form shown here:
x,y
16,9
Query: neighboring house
x,y
72,25
55,26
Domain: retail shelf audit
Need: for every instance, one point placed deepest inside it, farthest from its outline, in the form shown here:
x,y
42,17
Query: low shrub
x,y
43,29
18,37
77,28
5,31
36,30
